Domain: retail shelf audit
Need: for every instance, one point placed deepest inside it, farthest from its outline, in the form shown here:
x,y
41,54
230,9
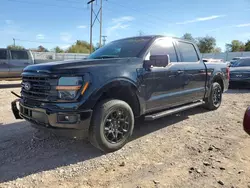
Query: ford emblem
x,y
27,86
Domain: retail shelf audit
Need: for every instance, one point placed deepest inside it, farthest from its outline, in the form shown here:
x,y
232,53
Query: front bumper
x,y
47,118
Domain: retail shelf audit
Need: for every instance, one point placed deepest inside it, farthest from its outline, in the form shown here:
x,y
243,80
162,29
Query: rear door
x,y
4,64
19,60
195,72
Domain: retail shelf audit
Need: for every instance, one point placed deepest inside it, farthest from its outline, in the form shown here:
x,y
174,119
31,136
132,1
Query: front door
x,y
4,65
163,85
19,60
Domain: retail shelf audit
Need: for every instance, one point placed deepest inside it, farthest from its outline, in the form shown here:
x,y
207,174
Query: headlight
x,y
68,87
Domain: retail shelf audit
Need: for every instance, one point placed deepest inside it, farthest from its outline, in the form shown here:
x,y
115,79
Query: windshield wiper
x,y
106,56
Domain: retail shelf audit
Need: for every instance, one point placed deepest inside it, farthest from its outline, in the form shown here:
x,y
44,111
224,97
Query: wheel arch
x,y
219,79
122,89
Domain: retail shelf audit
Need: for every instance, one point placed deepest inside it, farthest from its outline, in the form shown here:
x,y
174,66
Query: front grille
x,y
39,88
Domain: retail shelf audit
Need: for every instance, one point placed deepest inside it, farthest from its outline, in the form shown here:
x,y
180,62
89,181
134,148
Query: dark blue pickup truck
x,y
148,76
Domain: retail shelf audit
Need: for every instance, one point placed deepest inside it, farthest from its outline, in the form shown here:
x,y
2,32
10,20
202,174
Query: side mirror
x,y
157,61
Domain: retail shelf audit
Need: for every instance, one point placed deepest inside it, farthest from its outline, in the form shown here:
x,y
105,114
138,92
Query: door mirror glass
x,y
157,61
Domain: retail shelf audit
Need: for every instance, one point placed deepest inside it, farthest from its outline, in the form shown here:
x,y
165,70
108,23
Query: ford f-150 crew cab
x,y
148,76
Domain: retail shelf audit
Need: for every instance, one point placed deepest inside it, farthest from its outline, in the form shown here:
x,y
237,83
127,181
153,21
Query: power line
x,y
136,10
147,23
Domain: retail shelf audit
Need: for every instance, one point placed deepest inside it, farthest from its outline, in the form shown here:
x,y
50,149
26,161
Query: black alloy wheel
x,y
116,126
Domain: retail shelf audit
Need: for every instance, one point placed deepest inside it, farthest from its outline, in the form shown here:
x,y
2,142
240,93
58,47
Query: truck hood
x,y
78,65
239,69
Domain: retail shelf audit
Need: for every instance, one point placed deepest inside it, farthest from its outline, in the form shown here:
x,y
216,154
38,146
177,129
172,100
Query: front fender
x,y
116,82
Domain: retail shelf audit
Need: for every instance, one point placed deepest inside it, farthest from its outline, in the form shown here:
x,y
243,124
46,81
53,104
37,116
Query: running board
x,y
172,111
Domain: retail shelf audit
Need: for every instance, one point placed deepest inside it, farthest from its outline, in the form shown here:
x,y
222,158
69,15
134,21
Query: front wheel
x,y
214,99
112,125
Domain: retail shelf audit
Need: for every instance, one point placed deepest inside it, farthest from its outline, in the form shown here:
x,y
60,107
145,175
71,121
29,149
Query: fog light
x,y
62,118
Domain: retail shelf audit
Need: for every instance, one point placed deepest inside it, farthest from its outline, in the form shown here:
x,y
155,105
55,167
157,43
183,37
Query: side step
x,y
172,111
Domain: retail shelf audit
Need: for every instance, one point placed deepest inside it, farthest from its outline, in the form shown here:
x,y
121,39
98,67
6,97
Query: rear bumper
x,y
244,83
246,122
52,119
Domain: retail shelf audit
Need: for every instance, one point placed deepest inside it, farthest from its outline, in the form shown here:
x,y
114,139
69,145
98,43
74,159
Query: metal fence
x,y
58,56
226,56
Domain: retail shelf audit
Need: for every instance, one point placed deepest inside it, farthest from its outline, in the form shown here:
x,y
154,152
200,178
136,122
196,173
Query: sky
x,y
53,23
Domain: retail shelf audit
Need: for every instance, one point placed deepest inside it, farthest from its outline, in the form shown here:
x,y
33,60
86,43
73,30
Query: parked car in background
x,y
148,76
240,73
246,121
12,62
235,59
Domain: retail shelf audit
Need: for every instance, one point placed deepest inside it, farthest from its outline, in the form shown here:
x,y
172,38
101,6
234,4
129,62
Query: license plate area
x,y
33,115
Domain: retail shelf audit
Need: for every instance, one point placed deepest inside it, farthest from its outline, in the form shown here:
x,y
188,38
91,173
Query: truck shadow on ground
x,y
237,90
25,151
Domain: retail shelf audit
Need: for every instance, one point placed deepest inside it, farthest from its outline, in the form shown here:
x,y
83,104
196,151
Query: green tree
x,y
216,50
12,47
58,50
79,47
235,46
42,49
188,36
206,44
247,46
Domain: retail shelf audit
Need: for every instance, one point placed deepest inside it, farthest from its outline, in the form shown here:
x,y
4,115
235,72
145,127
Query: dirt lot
x,y
196,148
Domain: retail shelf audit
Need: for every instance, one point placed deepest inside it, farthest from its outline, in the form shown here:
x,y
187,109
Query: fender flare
x,y
116,82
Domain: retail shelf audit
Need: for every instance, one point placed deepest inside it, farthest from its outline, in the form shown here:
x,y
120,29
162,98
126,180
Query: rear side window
x,y
20,55
188,52
3,54
163,47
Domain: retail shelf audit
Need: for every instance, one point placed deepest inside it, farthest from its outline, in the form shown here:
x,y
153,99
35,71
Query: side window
x,y
163,47
20,55
3,54
188,52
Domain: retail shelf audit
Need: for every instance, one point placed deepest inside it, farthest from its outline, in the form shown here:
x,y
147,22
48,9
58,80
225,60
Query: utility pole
x,y
98,16
100,39
14,40
104,40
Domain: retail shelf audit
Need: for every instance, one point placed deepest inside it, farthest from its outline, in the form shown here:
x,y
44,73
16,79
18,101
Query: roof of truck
x,y
153,37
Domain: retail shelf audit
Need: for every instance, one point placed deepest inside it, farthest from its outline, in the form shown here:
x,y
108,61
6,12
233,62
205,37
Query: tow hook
x,y
16,94
14,106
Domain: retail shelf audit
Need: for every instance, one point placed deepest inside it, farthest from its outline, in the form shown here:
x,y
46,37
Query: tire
x,y
212,104
109,118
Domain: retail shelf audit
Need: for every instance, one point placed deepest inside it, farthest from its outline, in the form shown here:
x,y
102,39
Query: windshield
x,y
242,63
121,48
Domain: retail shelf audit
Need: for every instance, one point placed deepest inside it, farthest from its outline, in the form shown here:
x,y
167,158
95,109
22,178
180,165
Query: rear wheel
x,y
112,125
214,99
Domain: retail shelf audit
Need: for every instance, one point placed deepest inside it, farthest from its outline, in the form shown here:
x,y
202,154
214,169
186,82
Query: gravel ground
x,y
196,148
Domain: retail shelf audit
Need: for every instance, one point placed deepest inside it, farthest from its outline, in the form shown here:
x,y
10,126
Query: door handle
x,y
202,71
3,63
